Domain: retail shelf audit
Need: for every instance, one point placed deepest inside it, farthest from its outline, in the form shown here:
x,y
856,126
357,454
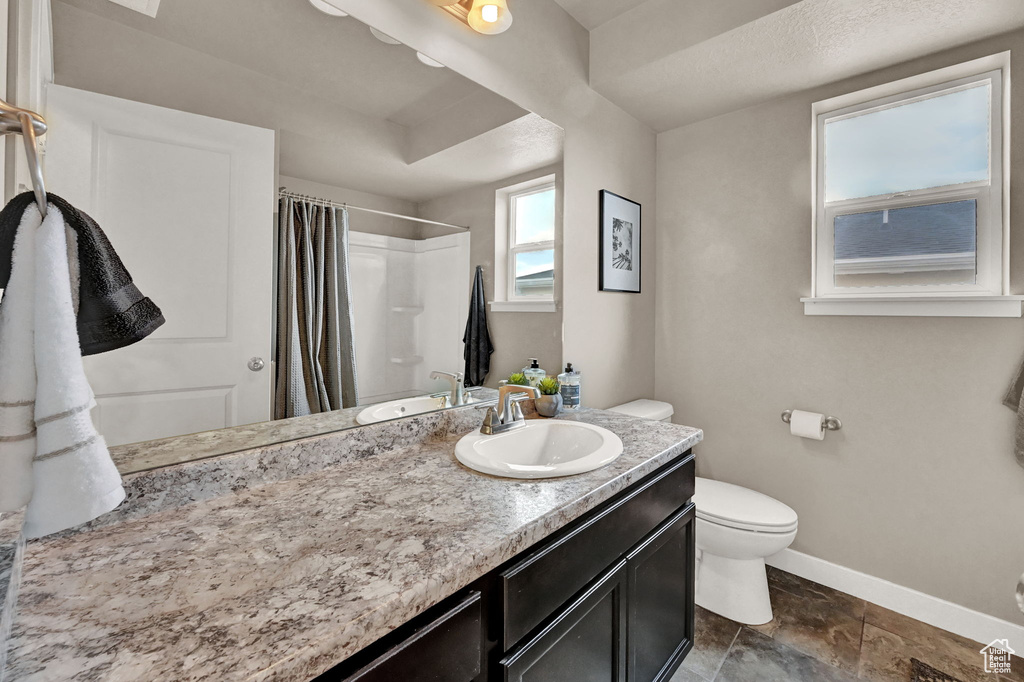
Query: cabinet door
x,y
585,642
445,648
550,574
661,592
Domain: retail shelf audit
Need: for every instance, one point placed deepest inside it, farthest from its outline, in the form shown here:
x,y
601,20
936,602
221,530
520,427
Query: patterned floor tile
x,y
755,657
712,638
818,626
951,645
885,657
814,592
686,675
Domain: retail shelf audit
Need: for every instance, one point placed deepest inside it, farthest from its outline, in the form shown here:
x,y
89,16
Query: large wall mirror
x,y
230,150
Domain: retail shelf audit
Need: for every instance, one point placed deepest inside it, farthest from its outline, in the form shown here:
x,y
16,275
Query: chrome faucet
x,y
458,393
510,417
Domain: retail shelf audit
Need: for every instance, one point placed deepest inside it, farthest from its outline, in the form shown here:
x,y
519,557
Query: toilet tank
x,y
648,409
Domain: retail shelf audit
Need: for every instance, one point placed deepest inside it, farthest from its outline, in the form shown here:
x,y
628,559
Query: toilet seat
x,y
737,507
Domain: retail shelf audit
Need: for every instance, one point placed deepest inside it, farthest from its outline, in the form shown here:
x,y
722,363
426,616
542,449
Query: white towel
x,y
51,457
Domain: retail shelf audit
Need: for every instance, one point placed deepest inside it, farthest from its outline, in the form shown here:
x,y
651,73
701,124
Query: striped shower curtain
x,y
316,366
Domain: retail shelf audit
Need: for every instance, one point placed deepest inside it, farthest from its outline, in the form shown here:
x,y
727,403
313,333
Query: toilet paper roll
x,y
807,424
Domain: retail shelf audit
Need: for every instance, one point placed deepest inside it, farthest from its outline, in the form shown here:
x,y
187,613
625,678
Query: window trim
x,y
993,218
506,249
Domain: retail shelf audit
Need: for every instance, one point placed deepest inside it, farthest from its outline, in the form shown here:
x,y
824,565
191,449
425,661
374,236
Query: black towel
x,y
112,312
477,339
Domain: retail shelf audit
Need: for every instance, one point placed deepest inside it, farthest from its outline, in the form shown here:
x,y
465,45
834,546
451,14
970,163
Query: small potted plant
x,y
549,403
517,379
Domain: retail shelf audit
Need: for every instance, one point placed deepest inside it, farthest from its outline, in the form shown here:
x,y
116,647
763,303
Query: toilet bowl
x,y
737,528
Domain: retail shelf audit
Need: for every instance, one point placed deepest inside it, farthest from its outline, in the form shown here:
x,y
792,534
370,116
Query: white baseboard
x,y
957,619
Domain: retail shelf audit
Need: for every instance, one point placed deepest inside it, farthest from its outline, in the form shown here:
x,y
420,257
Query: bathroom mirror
x,y
177,126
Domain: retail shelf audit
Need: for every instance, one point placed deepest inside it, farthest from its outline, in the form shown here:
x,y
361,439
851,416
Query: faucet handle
x,y
490,421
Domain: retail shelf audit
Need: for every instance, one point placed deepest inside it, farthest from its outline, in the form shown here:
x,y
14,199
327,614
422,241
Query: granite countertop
x,y
162,452
278,563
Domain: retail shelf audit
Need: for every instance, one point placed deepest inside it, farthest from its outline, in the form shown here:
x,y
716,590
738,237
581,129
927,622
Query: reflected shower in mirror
x,y
307,200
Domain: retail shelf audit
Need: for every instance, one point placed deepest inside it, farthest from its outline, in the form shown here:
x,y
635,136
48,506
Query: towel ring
x,y
30,125
34,167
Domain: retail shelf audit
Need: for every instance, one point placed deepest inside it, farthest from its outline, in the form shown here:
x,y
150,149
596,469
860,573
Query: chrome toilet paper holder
x,y
831,423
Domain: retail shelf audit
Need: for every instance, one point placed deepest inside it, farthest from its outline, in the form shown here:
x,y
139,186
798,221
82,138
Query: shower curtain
x,y
316,367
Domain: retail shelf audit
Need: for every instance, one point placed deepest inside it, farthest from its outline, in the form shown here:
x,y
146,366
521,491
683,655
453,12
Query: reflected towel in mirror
x,y
477,338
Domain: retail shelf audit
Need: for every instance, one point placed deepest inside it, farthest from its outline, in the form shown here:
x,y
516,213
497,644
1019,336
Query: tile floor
x,y
823,635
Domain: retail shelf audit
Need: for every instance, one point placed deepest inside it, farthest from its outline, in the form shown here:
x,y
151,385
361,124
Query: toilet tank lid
x,y
739,507
648,409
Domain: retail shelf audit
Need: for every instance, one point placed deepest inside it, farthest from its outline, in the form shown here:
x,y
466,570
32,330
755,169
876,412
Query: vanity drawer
x,y
449,647
546,578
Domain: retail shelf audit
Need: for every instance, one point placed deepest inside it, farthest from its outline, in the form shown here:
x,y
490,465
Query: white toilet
x,y
737,528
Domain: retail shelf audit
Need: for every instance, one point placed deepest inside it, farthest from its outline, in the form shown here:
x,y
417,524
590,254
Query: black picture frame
x,y
618,268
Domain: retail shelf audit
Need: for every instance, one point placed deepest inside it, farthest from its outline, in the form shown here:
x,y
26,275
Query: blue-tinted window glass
x,y
535,273
535,217
942,140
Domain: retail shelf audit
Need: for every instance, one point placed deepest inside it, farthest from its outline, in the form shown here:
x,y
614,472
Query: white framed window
x,y
524,241
911,197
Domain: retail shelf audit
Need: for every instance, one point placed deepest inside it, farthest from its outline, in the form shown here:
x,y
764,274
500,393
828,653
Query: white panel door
x,y
188,203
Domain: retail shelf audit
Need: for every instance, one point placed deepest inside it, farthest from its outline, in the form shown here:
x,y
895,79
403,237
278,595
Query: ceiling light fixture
x,y
428,61
384,37
327,8
489,17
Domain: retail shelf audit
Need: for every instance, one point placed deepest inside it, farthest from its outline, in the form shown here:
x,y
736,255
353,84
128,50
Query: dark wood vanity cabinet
x,y
445,645
660,574
609,598
586,640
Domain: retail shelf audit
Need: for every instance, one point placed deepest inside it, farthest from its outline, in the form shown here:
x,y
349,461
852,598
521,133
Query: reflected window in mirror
x,y
525,246
383,155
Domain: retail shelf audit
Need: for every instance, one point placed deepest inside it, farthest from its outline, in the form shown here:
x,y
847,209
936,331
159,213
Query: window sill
x,y
916,306
524,307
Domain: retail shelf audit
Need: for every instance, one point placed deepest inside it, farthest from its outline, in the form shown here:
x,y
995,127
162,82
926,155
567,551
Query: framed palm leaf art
x,y
619,265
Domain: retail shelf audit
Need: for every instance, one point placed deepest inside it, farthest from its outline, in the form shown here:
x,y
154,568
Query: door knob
x,y
256,364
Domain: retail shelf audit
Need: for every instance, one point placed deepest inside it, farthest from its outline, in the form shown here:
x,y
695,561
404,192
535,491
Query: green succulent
x,y
518,379
548,386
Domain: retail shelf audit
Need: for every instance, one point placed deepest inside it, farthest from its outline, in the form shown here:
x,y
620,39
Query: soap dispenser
x,y
569,387
534,373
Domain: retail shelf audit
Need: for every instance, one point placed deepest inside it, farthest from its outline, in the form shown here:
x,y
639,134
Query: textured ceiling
x,y
593,13
671,63
291,41
350,110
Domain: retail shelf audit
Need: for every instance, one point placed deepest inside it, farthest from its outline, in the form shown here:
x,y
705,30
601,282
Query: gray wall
x,y
920,487
516,336
607,335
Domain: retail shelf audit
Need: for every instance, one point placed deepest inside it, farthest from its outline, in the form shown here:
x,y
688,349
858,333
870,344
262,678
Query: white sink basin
x,y
404,408
544,448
